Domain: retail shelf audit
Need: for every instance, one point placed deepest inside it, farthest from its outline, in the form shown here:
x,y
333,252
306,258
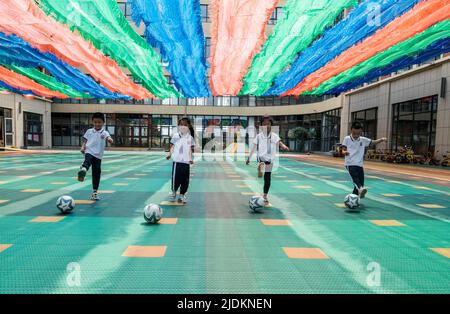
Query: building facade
x,y
410,107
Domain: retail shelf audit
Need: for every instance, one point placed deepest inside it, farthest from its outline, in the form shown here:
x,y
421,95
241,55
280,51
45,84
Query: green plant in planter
x,y
301,135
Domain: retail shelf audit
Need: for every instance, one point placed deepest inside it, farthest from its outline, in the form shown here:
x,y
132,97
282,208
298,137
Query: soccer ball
x,y
352,201
152,213
65,204
256,203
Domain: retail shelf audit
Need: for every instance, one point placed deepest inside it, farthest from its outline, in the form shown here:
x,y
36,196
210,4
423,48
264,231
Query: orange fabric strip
x,y
23,18
22,82
238,33
421,17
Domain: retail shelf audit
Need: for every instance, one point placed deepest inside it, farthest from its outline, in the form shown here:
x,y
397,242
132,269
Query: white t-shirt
x,y
183,144
96,142
357,149
267,146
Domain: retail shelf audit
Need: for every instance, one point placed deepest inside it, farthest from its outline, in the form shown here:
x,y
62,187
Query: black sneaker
x,y
82,174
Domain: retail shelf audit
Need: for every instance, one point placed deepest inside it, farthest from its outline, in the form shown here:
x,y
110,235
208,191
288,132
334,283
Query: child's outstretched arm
x,y
191,159
283,146
344,150
170,152
381,140
251,154
83,145
110,140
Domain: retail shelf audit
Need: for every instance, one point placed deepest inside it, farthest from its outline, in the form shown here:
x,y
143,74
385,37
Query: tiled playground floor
x,y
305,242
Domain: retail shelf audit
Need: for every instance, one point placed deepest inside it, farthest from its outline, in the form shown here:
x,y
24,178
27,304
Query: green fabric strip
x,y
410,46
103,23
48,81
303,21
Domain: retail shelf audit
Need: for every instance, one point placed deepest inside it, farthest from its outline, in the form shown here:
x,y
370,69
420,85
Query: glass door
x,y
8,127
2,131
32,129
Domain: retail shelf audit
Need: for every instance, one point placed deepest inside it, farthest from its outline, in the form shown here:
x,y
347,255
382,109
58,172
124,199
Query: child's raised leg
x,y
261,166
88,158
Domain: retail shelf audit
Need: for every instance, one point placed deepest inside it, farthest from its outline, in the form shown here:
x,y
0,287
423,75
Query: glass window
x,y
369,119
331,128
126,9
207,47
7,113
32,129
276,15
244,101
414,125
8,125
205,13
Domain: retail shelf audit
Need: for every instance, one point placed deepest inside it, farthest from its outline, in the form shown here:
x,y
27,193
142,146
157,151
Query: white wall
x,y
19,104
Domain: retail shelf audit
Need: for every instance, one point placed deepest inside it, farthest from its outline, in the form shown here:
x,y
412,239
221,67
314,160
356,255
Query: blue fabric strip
x,y
175,28
14,50
15,90
361,23
435,49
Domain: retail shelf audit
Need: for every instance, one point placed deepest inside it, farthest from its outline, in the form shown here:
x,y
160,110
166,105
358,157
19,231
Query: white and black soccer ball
x,y
352,201
256,203
65,204
153,213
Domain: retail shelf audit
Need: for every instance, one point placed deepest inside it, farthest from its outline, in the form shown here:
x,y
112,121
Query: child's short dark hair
x,y
267,118
98,115
357,125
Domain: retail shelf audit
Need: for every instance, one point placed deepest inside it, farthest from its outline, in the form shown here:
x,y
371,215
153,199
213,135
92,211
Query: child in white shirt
x,y
266,144
181,150
93,147
354,147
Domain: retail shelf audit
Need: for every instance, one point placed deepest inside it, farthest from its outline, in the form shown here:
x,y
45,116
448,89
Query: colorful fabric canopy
x,y
102,23
411,46
302,23
175,28
422,16
23,18
237,36
13,50
88,48
47,81
362,22
21,82
435,49
9,88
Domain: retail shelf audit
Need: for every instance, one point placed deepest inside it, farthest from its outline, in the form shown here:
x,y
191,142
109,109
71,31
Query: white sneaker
x,y
172,195
362,192
95,196
182,199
